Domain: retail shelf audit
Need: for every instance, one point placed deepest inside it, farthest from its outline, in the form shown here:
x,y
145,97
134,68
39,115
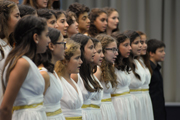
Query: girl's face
x,y
62,24
136,47
99,54
111,52
113,20
52,22
125,48
42,3
73,65
42,41
89,51
59,47
14,17
73,28
144,44
101,22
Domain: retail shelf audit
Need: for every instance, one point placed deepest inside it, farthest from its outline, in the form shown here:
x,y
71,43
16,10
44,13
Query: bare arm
x,y
46,79
98,73
16,79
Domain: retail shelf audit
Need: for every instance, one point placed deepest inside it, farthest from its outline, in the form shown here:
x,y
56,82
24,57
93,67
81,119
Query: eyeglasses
x,y
112,49
61,43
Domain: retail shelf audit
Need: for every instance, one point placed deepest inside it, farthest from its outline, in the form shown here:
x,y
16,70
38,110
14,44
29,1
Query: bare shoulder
x,y
74,77
23,63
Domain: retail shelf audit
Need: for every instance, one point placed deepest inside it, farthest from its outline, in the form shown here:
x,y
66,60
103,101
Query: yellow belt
x,y
26,106
115,95
106,100
74,118
91,105
144,89
136,90
54,113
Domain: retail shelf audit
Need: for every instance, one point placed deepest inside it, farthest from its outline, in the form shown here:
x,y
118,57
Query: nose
x,y
105,22
102,55
130,48
88,20
56,25
95,51
117,20
80,61
116,53
66,24
76,23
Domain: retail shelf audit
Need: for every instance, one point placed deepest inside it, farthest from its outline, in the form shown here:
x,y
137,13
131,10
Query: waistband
x,y
59,111
115,95
106,100
74,118
90,105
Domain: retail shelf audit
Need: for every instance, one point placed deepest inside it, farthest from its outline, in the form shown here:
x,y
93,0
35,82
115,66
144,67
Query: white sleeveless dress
x,y
71,101
52,97
6,48
145,92
30,93
96,100
87,113
107,109
122,100
135,90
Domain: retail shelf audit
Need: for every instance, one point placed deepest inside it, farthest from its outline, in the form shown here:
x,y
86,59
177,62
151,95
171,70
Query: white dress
x,y
96,100
145,92
122,100
87,113
52,97
71,101
135,90
30,93
107,109
6,49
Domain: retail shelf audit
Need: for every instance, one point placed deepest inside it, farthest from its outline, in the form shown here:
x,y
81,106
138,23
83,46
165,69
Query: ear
x,y
51,46
151,54
36,38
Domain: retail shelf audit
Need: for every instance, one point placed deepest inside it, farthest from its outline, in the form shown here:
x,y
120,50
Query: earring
x,y
37,42
52,49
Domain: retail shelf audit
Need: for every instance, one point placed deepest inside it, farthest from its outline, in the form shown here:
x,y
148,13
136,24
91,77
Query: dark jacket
x,y
157,93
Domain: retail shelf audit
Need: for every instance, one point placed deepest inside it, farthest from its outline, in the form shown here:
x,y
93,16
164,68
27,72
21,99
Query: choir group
x,y
74,64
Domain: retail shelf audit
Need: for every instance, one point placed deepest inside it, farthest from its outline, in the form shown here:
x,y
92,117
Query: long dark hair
x,y
146,57
85,69
123,64
45,58
132,36
25,45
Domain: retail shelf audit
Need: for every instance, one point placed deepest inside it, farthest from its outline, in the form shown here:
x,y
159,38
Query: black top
x,y
157,93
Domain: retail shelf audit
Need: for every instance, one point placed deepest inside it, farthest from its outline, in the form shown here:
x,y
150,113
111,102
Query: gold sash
x,y
115,95
59,111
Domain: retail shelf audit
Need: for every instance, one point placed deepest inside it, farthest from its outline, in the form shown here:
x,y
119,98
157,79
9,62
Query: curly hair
x,y
93,31
132,36
109,11
69,17
121,63
71,48
107,68
78,9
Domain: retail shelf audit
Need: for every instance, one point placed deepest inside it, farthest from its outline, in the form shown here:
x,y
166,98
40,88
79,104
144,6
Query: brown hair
x,y
71,48
69,17
34,4
108,72
93,31
146,57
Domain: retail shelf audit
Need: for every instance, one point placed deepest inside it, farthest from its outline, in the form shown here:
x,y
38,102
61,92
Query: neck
x,y
153,61
66,75
53,60
82,31
69,35
108,31
5,39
